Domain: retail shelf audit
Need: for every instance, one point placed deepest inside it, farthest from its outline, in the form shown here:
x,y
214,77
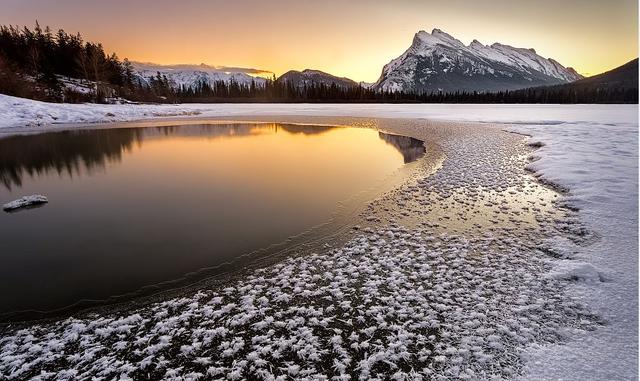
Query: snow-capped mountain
x,y
191,75
439,62
308,77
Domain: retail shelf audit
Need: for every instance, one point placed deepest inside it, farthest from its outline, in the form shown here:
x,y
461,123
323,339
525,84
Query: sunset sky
x,y
352,38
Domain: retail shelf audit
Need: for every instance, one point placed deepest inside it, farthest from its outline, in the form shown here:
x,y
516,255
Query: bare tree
x,y
83,63
34,58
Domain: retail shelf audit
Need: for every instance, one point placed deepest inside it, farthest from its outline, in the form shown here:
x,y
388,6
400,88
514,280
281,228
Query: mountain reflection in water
x,y
410,148
67,152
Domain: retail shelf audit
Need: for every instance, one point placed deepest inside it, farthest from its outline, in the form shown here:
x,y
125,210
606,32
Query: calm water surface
x,y
131,207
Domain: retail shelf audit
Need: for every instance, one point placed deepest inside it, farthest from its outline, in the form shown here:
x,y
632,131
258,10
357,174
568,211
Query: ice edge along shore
x,y
590,149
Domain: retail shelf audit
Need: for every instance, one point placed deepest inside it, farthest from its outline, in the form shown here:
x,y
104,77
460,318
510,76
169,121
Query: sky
x,y
352,38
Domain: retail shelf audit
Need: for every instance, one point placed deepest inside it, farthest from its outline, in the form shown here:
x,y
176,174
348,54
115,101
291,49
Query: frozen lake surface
x,y
589,150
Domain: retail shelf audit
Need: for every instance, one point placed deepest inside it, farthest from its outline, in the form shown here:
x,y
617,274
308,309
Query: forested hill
x,y
619,85
625,76
34,62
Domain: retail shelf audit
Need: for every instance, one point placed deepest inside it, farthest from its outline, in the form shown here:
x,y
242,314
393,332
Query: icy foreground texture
x,y
405,298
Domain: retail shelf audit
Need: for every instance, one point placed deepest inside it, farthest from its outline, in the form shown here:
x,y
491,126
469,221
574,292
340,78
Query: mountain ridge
x,y
437,61
309,77
192,75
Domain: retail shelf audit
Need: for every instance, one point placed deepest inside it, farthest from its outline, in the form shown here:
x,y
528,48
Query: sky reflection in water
x,y
131,207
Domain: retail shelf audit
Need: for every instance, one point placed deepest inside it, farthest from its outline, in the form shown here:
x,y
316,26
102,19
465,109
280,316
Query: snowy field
x,y
573,316
18,112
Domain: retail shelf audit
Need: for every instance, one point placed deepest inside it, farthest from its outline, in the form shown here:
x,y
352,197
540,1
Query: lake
x,y
133,207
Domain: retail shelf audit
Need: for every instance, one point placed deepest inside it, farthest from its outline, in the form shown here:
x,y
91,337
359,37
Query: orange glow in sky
x,y
345,38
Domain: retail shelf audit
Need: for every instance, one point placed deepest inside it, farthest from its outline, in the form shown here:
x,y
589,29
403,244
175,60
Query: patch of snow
x,y
24,202
579,272
78,85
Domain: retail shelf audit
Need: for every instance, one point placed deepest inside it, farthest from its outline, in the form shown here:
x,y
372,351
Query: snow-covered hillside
x,y
438,61
189,76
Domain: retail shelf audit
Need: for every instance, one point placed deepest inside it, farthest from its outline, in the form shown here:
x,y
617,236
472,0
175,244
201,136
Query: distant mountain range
x,y
435,62
189,76
435,68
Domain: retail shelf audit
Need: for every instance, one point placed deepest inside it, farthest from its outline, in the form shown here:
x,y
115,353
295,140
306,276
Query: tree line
x,y
281,91
34,64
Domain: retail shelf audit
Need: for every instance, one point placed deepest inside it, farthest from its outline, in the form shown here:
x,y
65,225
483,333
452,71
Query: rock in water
x,y
25,202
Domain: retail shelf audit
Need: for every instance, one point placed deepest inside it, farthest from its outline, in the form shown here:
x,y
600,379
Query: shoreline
x,y
335,229
24,114
571,197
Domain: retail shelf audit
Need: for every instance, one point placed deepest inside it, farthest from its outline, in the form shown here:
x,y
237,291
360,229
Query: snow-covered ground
x,y
592,150
597,160
20,113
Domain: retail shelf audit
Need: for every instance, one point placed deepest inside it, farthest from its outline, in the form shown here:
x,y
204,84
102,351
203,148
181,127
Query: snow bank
x,y
593,152
19,112
24,202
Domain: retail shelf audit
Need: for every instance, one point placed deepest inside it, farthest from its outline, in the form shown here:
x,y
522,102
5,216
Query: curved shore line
x,y
335,229
562,251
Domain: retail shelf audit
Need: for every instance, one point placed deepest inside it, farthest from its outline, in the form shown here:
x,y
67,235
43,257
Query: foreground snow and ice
x,y
597,160
475,272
